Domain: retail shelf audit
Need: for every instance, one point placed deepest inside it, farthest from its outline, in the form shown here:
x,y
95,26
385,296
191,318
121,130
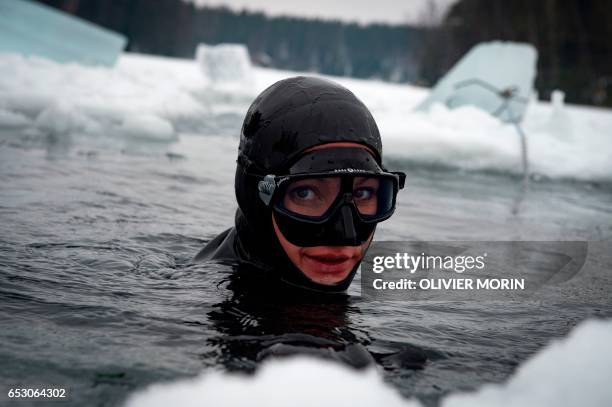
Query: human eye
x,y
303,193
363,193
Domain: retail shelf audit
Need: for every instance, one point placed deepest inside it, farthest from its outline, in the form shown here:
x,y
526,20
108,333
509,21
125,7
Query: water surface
x,y
98,293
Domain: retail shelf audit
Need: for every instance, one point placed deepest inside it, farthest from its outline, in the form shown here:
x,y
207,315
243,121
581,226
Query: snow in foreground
x,y
574,371
148,99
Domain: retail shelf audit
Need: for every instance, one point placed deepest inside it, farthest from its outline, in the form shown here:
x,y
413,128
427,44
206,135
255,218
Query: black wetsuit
x,y
220,248
286,119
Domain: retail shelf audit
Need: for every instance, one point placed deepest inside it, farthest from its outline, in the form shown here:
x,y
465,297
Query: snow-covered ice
x,y
300,381
574,371
156,99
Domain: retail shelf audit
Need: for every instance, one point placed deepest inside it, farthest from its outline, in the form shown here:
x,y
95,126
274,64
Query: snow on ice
x,y
155,99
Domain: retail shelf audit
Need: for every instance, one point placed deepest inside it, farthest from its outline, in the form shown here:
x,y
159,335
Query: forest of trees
x,y
175,27
573,38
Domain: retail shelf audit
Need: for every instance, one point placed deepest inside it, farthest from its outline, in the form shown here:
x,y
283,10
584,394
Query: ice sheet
x,y
31,28
484,71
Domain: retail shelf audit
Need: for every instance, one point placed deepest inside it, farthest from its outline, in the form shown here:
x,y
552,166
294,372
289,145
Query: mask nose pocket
x,y
349,232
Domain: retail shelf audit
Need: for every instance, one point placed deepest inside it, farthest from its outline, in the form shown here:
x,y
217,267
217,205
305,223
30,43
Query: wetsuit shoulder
x,y
220,248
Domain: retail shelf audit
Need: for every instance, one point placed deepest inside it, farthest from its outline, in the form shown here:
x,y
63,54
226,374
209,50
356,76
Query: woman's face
x,y
326,265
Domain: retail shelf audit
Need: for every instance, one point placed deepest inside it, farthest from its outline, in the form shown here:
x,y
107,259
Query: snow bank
x,y
154,99
467,138
298,382
575,371
70,100
564,141
569,372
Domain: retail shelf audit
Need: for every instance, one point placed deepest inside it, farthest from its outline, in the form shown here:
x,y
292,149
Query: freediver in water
x,y
310,186
311,189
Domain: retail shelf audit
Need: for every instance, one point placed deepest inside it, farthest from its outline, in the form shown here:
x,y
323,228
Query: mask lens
x,y
373,196
313,197
365,190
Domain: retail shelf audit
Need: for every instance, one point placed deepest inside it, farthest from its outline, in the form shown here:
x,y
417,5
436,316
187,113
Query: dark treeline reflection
x,y
572,38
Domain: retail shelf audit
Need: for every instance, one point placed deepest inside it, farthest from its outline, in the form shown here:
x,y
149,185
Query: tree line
x,y
176,27
572,38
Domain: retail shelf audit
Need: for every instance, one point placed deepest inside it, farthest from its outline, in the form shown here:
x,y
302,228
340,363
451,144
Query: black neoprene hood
x,y
297,113
286,119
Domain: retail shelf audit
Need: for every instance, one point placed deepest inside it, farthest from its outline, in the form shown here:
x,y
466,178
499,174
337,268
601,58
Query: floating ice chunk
x,y
30,28
147,127
60,120
74,103
484,72
225,63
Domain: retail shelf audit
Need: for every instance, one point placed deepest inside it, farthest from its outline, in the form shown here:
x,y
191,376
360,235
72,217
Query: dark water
x,y
98,294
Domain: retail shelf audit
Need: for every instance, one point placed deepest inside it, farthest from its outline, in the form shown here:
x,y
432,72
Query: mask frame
x,y
272,186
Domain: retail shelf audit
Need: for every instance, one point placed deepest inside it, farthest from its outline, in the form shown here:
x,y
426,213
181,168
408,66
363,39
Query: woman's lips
x,y
328,263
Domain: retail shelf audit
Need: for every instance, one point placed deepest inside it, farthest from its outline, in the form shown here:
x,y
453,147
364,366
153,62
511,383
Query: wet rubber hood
x,y
286,119
297,113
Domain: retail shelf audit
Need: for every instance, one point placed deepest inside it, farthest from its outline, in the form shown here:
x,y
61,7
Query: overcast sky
x,y
362,11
